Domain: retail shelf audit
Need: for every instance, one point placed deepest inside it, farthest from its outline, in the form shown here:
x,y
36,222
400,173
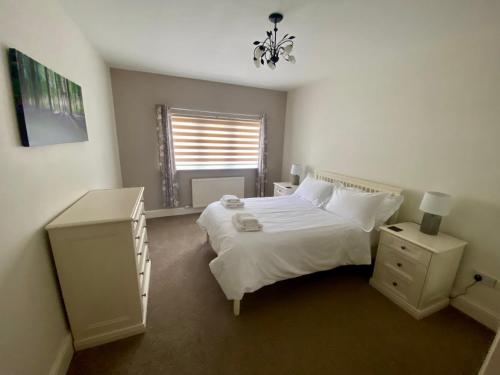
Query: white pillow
x,y
387,208
356,206
315,191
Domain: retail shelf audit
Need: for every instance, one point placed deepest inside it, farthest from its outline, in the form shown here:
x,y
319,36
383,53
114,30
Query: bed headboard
x,y
365,185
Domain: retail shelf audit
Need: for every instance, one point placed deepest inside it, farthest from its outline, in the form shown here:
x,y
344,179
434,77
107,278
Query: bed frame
x,y
365,185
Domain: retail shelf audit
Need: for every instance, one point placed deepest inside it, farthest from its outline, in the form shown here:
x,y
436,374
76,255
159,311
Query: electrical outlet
x,y
486,280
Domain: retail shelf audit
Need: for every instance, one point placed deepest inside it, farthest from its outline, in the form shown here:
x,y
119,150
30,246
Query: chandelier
x,y
269,51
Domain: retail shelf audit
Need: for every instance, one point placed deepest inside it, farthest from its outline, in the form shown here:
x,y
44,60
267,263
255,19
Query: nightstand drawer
x,y
280,191
407,266
397,283
406,248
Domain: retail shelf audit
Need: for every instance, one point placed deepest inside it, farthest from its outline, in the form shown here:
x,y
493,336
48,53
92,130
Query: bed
x,y
298,238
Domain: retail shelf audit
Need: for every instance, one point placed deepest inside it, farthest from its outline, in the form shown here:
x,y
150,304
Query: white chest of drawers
x,y
416,270
100,248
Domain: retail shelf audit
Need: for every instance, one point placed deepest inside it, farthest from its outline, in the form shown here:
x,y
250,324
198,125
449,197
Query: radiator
x,y
208,190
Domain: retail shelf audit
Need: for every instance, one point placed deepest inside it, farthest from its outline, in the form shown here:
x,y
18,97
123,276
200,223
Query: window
x,y
215,142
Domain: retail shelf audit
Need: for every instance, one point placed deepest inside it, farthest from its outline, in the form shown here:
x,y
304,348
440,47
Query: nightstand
x,y
284,188
416,270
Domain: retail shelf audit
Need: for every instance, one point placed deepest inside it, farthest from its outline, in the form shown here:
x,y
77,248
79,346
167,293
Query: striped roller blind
x,y
215,143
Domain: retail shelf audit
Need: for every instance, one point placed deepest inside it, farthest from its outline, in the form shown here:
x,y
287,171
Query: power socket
x,y
485,279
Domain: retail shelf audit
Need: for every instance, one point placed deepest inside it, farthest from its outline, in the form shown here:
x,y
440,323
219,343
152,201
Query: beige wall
x,y
424,117
38,183
135,96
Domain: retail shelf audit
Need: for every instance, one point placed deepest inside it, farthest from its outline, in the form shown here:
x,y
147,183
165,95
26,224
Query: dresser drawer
x,y
142,261
138,216
397,283
141,238
142,256
139,225
406,248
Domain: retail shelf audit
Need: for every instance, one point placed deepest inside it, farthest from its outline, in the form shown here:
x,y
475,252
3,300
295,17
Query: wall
x,y
38,183
135,96
421,112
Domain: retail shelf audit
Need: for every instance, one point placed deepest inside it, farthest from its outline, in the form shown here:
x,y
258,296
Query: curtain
x,y
262,163
166,159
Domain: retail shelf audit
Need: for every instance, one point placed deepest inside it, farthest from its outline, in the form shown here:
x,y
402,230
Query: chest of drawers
x,y
100,248
416,270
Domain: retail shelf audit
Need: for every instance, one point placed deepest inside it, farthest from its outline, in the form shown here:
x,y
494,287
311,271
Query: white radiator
x,y
208,190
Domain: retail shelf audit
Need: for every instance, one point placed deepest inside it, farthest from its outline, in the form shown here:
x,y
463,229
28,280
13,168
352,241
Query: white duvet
x,y
297,239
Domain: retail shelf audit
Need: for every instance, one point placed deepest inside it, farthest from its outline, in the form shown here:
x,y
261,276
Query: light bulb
x,y
291,59
258,53
271,65
288,48
256,62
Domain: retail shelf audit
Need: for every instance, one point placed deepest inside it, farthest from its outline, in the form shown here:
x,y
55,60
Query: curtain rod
x,y
214,114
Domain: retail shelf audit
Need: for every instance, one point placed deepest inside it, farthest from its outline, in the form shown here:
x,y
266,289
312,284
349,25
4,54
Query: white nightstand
x,y
416,270
284,188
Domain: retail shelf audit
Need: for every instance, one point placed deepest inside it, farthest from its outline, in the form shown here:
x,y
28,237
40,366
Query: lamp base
x,y
295,179
430,224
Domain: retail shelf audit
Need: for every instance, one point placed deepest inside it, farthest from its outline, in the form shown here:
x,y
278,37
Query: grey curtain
x,y
262,163
166,159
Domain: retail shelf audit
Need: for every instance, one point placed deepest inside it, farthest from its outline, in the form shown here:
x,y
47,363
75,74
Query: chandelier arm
x,y
283,41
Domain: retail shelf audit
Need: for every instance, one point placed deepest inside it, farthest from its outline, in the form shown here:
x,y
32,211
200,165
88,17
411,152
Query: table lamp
x,y
435,205
296,171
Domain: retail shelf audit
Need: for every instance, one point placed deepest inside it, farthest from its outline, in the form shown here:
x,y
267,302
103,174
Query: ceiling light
x,y
270,50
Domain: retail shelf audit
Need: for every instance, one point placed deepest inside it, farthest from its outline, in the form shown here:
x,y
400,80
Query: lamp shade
x,y
296,169
436,203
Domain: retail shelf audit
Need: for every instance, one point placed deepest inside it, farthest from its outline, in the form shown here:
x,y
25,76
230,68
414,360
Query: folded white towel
x,y
246,219
232,205
242,228
230,199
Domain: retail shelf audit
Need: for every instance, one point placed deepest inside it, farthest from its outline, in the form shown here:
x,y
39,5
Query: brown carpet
x,y
327,323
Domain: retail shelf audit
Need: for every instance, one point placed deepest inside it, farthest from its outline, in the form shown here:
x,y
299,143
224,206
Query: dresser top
x,y
437,244
100,206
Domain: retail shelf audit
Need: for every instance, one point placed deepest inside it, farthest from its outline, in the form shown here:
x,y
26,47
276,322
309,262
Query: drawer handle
x,y
399,264
394,283
141,273
144,295
139,254
136,221
137,237
146,241
148,260
403,247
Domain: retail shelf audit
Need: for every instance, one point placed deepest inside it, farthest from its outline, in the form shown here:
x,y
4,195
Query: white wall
x,y
37,183
415,103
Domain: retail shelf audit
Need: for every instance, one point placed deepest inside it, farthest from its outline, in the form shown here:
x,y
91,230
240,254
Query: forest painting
x,y
49,107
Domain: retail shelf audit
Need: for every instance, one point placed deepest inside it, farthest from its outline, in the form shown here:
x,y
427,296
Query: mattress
x,y
297,239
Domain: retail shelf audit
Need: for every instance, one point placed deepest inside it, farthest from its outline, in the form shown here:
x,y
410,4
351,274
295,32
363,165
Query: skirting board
x,y
63,357
151,214
104,338
477,312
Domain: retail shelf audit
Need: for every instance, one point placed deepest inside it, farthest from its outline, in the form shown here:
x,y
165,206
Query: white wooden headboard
x,y
365,185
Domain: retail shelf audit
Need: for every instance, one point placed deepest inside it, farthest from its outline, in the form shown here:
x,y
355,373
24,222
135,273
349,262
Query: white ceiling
x,y
212,40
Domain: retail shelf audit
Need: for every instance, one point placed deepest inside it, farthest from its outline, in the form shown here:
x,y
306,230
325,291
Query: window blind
x,y
215,143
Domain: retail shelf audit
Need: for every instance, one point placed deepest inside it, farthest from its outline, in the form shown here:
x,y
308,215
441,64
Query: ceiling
x,y
212,40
